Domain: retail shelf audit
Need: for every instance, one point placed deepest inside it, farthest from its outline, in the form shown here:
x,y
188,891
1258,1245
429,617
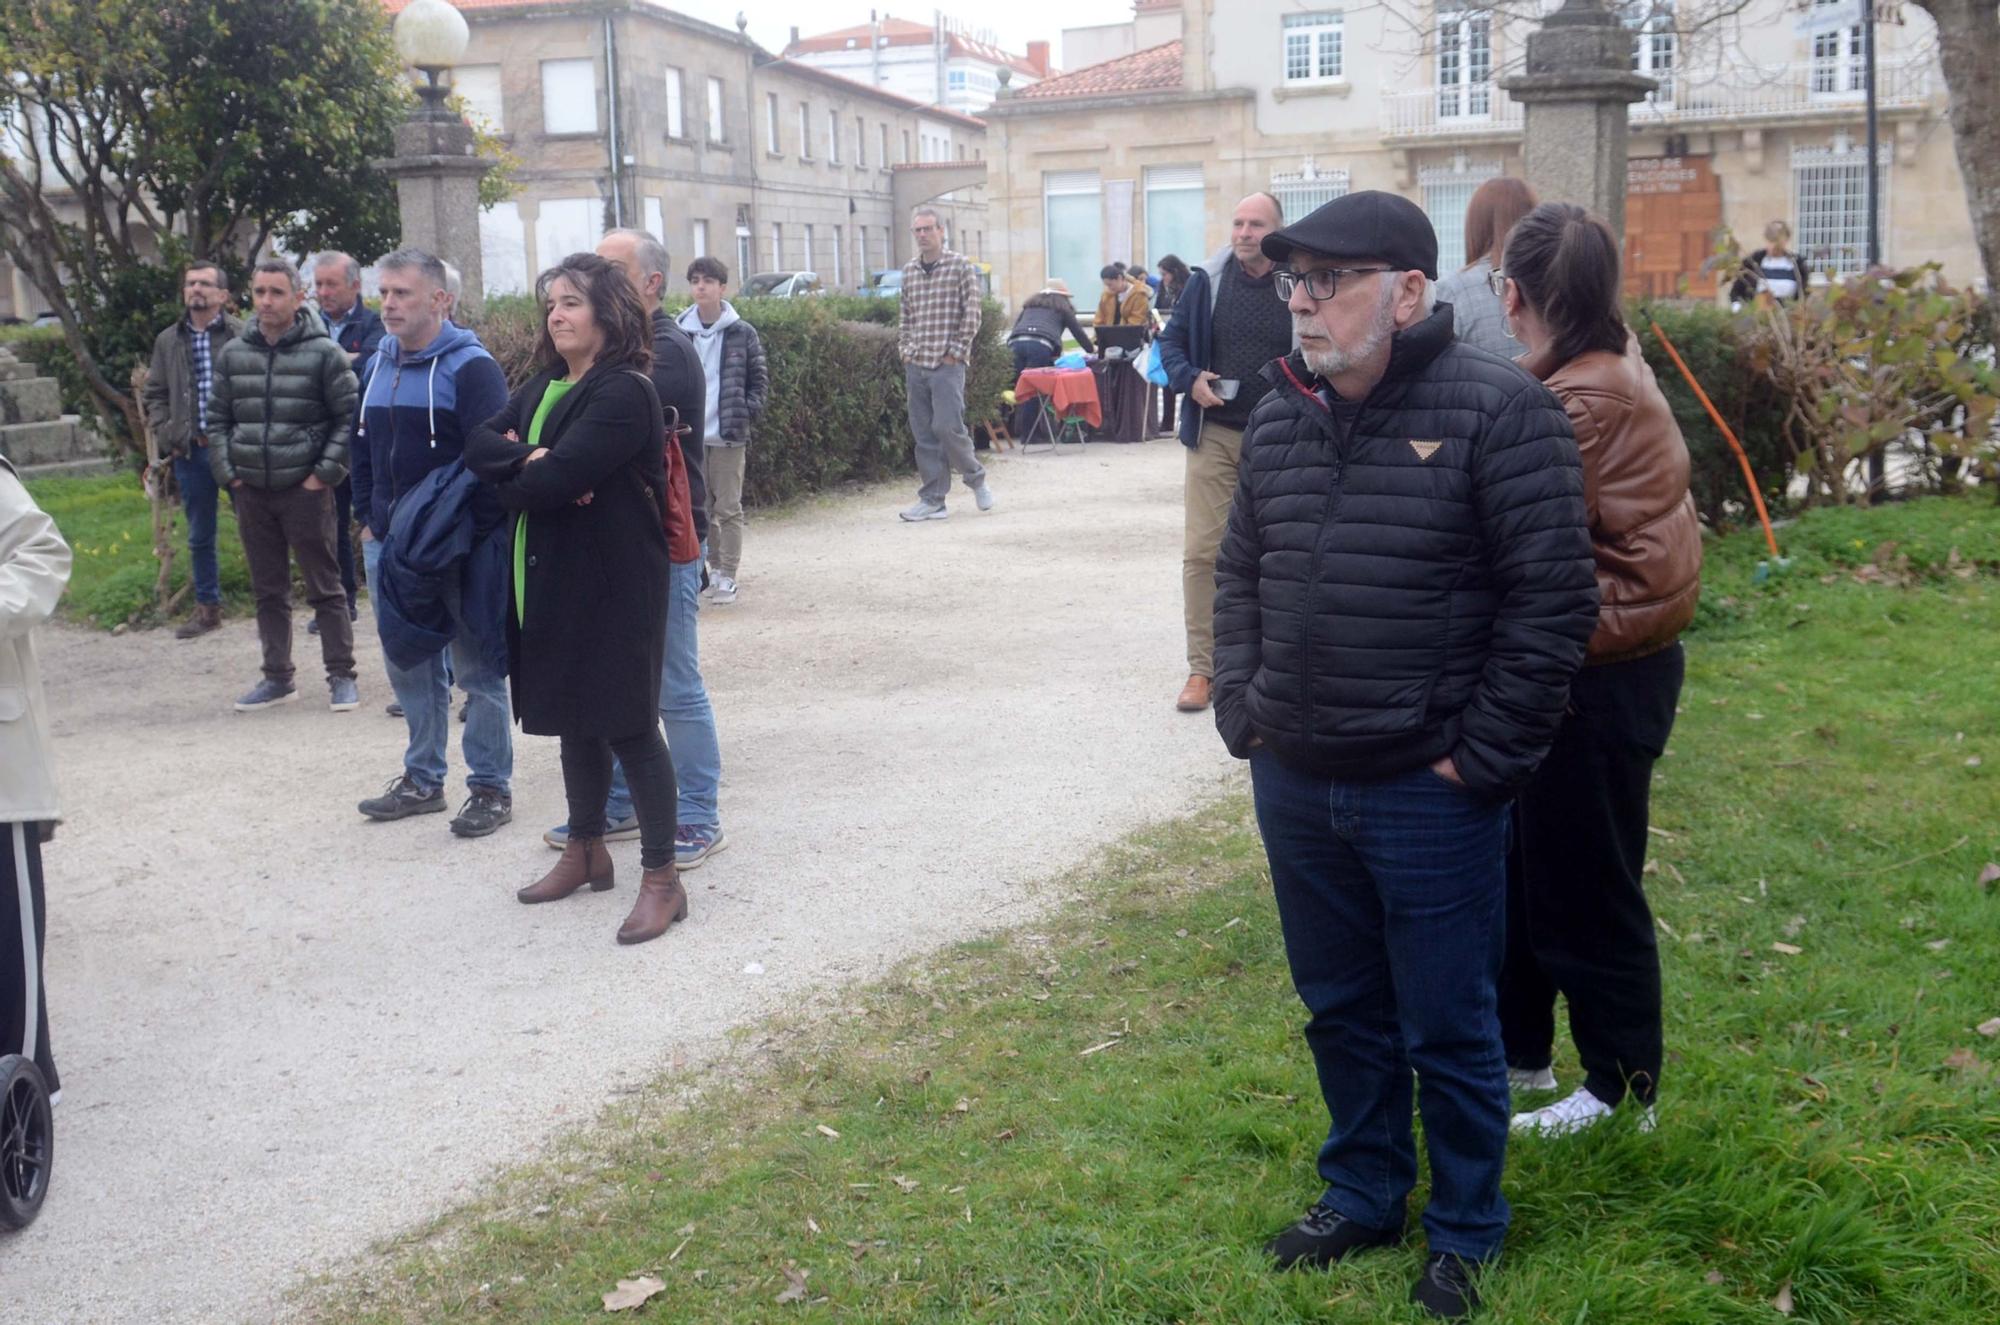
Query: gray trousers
x,y
937,421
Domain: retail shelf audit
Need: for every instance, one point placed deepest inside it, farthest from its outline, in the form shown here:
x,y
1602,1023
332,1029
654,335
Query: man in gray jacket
x,y
178,386
283,413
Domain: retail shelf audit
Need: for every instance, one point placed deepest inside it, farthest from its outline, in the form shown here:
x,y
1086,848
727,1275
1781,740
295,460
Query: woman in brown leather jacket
x,y
1577,920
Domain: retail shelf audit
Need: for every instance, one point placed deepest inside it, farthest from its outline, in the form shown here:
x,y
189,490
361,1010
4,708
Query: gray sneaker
x,y
346,694
622,830
925,510
266,694
983,495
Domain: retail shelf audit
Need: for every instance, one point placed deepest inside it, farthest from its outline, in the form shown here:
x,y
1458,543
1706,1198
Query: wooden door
x,y
1673,208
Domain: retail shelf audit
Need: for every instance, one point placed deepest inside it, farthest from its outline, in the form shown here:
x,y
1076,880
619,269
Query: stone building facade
x,y
1763,120
941,63
625,112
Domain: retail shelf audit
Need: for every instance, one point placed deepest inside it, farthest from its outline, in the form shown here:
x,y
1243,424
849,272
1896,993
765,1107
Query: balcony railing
x,y
1778,92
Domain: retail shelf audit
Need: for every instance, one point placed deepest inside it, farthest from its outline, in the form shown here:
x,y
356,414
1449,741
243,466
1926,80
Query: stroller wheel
x,y
27,1141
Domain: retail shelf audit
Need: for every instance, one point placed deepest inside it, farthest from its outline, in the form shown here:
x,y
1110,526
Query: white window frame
x,y
777,247
564,112
480,88
1830,206
699,231
717,122
1464,67
1310,43
676,112
1839,70
1069,183
1656,46
771,123
1301,192
746,244
839,239
861,255
1447,211
806,250
805,131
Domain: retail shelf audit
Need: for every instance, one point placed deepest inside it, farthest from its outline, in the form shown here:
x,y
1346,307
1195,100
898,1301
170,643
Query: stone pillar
x,y
33,429
1577,84
437,172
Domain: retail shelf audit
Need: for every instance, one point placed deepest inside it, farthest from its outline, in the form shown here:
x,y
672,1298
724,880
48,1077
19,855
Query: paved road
x,y
286,1033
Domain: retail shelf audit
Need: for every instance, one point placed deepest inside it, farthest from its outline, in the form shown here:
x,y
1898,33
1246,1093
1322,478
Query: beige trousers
x,y
1211,487
722,469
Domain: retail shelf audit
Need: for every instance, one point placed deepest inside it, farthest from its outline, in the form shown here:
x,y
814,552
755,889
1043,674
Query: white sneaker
x,y
983,495
925,510
722,591
1521,1078
1573,1114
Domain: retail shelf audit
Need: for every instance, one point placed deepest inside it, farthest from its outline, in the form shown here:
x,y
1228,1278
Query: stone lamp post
x,y
1576,88
437,167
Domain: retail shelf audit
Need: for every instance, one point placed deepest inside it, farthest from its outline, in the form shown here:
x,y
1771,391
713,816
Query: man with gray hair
x,y
940,322
1403,594
428,385
283,413
357,329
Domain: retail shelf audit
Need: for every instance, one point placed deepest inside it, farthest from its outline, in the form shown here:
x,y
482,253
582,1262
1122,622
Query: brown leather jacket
x,y
1643,528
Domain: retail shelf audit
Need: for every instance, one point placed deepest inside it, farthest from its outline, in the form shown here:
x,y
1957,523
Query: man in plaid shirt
x,y
940,322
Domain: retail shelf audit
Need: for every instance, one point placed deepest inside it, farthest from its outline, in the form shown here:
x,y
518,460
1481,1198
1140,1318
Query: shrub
x,y
44,348
1708,339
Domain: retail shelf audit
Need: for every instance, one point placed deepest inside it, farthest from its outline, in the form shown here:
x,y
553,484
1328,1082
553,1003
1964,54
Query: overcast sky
x,y
1016,23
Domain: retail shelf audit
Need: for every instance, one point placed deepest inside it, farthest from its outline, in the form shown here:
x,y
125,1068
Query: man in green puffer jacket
x,y
280,420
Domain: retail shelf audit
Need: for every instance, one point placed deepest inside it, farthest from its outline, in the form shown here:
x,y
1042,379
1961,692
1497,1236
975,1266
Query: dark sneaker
x,y
1325,1236
266,694
312,626
393,709
484,812
345,694
619,830
465,711
403,799
1446,1289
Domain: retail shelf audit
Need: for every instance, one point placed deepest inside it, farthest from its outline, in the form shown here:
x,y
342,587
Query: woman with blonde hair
x,y
1471,291
1773,269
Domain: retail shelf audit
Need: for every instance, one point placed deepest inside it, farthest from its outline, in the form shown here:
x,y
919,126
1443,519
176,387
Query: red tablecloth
x,y
1073,391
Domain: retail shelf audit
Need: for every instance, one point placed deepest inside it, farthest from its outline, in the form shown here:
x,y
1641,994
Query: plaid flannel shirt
x,y
203,358
940,311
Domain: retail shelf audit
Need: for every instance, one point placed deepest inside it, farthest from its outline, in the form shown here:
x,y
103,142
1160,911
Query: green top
x,y
557,390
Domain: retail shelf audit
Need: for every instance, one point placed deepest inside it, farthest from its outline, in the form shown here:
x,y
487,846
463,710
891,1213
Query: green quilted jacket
x,y
281,412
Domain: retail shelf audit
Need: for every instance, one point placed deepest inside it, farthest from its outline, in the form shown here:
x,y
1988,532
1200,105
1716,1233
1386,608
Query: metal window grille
x,y
1830,202
1447,193
1303,191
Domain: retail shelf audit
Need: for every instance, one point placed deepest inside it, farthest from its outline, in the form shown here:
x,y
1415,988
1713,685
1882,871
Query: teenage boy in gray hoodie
x,y
732,361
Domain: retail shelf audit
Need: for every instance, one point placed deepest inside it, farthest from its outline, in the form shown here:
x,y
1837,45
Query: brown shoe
x,y
584,860
661,902
1194,695
207,616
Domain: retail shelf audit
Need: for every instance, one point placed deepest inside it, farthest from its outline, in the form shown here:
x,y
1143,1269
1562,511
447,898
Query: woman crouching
x,y
579,453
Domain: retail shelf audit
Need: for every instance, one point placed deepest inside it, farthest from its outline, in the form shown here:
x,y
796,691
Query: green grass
x,y
1829,1120
109,525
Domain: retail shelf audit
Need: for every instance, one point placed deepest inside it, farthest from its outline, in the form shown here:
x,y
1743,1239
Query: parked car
x,y
783,285
888,282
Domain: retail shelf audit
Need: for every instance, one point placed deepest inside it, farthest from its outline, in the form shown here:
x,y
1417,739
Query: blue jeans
x,y
684,707
1392,896
198,500
424,691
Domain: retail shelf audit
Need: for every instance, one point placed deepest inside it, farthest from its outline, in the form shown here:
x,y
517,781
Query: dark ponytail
x,y
1565,262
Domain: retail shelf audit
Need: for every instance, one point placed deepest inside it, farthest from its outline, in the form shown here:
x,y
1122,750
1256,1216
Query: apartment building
x,y
943,62
1759,119
626,112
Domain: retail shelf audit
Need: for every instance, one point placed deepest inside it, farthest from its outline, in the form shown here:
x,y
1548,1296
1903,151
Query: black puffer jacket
x,y
743,384
1408,580
279,413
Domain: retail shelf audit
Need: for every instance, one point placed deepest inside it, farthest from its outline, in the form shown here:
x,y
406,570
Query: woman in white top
x,y
1774,269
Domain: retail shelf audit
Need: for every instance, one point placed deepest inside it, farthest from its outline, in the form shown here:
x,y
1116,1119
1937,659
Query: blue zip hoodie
x,y
416,409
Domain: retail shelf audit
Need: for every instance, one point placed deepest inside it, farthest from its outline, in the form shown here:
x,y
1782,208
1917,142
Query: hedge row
x,y
1709,340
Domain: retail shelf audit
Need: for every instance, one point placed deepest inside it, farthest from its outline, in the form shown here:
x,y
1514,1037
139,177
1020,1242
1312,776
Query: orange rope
x,y
1749,475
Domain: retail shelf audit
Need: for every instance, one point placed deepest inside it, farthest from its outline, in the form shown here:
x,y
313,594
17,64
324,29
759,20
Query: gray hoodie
x,y
708,343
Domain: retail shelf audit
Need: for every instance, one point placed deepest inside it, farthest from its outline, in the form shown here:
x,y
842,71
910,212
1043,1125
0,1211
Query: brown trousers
x,y
277,526
1211,487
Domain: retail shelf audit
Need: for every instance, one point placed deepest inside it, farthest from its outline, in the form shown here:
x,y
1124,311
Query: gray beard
x,y
1333,361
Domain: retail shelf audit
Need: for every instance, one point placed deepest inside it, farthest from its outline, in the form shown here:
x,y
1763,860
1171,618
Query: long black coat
x,y
1412,581
586,660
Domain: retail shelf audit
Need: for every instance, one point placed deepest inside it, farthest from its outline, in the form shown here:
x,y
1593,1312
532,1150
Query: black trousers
x,y
1577,919
24,1012
649,772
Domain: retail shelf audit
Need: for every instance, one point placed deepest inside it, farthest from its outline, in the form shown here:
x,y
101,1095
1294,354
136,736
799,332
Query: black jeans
x,y
1577,919
24,924
649,773
1028,353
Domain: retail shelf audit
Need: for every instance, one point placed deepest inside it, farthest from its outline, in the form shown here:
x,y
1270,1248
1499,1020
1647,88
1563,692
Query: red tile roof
x,y
1154,70
904,32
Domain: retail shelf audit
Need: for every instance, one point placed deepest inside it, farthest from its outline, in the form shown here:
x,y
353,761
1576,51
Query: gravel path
x,y
286,1032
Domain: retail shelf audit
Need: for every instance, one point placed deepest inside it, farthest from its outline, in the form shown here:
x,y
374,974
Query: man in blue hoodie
x,y
427,386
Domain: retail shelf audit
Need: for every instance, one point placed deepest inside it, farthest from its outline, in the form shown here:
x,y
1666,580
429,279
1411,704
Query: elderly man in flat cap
x,y
1403,594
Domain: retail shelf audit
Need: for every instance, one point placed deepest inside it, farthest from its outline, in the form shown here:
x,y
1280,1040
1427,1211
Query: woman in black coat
x,y
579,452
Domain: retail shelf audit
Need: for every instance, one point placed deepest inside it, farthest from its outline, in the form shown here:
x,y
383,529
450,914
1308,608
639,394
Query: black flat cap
x,y
1370,226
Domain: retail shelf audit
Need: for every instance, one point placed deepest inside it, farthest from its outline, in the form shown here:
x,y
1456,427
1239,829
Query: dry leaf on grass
x,y
1097,1048
964,1105
796,1278
1989,1028
1964,1060
632,1293
827,1132
907,1184
1789,949
1989,876
1783,1301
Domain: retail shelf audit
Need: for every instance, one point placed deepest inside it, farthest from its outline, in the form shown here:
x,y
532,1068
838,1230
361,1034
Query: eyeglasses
x,y
1496,281
1321,282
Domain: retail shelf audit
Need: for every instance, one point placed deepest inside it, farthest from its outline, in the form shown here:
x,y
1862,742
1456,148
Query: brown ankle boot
x,y
584,860
661,902
207,617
